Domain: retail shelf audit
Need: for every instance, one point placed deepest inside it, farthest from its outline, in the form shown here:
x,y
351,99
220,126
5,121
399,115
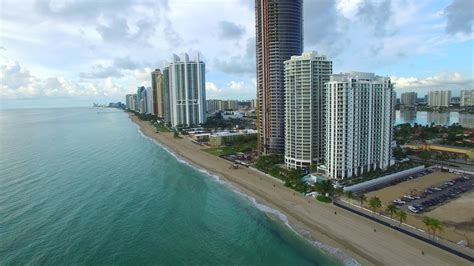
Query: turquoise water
x,y
83,186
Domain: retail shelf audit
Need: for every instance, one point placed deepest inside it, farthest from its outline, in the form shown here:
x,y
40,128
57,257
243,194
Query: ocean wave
x,y
346,259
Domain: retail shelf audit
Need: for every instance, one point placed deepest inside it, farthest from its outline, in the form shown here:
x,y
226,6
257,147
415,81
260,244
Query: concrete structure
x,y
130,101
149,100
279,35
467,98
142,100
226,137
305,99
232,115
439,98
213,106
186,85
359,124
160,103
408,99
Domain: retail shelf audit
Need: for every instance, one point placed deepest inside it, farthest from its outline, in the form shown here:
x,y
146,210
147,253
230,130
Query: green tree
x,y
362,198
392,209
425,155
432,225
375,203
402,216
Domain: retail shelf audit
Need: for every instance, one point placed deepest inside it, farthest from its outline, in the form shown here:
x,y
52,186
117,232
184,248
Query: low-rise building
x,y
227,137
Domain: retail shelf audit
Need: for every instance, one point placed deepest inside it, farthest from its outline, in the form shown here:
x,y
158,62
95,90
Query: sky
x,y
58,53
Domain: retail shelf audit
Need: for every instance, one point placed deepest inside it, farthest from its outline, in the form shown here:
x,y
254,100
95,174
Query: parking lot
x,y
435,195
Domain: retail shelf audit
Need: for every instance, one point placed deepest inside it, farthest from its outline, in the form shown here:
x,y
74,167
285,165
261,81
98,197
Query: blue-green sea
x,y
84,186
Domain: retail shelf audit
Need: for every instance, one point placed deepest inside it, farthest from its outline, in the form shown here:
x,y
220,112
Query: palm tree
x,y
427,221
402,217
375,203
349,195
362,198
436,225
392,209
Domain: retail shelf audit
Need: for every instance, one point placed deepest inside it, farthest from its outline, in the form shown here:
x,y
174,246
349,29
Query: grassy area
x,y
162,128
324,199
233,149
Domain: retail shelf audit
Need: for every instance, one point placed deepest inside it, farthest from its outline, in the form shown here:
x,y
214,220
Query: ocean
x,y
84,186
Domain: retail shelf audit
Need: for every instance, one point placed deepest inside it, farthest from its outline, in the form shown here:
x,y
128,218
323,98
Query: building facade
x,y
186,86
408,99
439,98
467,98
279,35
142,100
160,97
305,99
130,101
359,124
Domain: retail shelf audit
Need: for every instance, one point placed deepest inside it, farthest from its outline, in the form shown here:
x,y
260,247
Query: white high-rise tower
x,y
305,76
359,124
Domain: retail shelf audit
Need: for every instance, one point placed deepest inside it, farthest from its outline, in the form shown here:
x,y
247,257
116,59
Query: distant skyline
x,y
73,53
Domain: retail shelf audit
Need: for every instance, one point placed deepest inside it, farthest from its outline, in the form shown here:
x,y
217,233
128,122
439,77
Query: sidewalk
x,y
419,234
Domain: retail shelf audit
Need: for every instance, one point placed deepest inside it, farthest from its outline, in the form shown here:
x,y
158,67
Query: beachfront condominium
x,y
439,98
160,103
130,101
408,99
305,97
279,35
149,100
186,86
467,98
142,100
359,124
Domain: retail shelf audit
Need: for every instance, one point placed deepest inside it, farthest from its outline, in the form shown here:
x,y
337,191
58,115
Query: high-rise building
x,y
159,95
149,100
408,98
305,96
359,124
439,98
186,85
142,100
279,35
213,106
130,101
467,98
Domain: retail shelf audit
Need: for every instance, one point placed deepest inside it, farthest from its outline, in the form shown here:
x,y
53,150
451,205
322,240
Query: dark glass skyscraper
x,y
279,30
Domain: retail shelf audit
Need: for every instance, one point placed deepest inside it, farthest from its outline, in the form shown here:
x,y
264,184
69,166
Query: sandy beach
x,y
325,223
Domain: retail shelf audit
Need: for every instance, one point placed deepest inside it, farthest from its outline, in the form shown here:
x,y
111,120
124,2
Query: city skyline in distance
x,y
102,51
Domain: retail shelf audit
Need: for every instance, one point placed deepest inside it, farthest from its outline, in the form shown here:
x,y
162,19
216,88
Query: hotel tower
x,y
279,35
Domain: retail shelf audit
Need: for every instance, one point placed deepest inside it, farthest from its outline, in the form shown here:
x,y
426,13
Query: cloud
x,y
100,72
19,83
212,91
239,64
230,31
459,16
376,15
126,63
446,81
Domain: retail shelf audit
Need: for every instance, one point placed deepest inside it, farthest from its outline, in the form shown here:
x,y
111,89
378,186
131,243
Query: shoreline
x,y
343,235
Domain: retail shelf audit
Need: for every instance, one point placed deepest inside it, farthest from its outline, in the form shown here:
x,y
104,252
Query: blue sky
x,y
71,53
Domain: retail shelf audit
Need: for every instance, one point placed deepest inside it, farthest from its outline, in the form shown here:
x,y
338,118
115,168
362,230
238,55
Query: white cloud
x,y
445,81
18,83
212,91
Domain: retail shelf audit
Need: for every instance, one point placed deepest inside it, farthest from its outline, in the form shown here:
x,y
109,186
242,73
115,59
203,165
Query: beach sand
x,y
349,233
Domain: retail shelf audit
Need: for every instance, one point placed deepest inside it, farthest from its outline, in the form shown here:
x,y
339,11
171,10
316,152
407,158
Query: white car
x,y
413,209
